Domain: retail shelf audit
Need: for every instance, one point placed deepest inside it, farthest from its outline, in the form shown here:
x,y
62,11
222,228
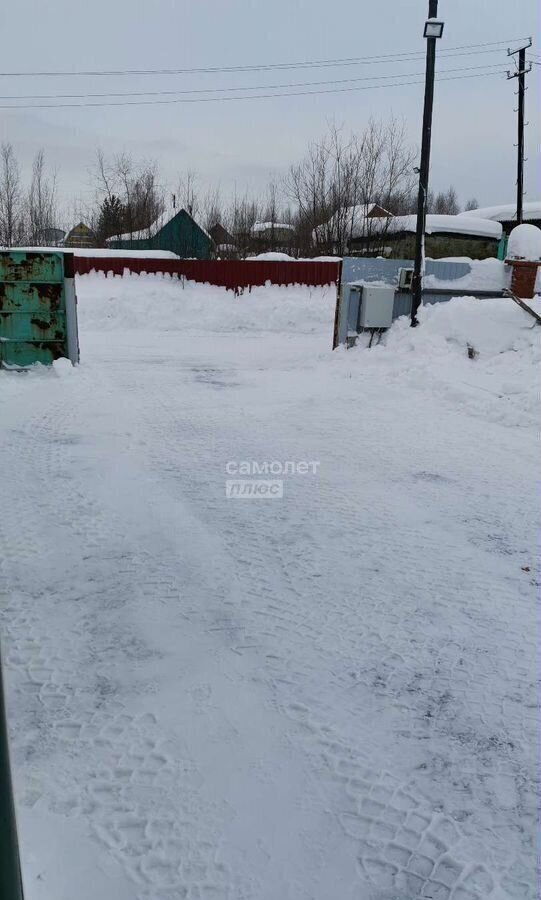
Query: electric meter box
x,y
377,305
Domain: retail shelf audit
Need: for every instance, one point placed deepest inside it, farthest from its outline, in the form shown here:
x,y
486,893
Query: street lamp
x,y
433,28
432,32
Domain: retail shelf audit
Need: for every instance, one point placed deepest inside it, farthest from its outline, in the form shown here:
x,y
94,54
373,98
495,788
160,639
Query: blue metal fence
x,y
357,270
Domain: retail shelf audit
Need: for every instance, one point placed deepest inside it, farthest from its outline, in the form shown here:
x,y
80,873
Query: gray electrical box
x,y
377,304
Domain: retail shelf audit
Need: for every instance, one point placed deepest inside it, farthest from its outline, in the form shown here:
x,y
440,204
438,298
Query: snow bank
x,y
484,275
284,257
501,381
524,243
136,254
100,252
273,256
160,303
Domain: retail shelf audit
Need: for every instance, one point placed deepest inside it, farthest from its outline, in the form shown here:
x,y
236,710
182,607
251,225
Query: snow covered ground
x,y
328,696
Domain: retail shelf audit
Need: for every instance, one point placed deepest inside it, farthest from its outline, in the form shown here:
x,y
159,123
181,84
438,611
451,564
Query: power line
x,y
245,97
258,87
317,63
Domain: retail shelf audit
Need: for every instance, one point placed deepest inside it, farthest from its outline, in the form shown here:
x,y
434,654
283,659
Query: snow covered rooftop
x,y
360,221
506,212
362,218
145,233
259,227
440,224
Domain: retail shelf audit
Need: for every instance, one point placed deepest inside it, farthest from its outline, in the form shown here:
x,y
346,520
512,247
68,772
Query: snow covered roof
x,y
145,233
506,212
362,225
258,227
439,224
96,252
363,218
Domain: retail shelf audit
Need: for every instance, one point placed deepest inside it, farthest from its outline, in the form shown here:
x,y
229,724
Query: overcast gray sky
x,y
245,142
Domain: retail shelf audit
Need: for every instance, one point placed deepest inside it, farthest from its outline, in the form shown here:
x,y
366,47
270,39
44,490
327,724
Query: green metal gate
x,y
11,885
38,314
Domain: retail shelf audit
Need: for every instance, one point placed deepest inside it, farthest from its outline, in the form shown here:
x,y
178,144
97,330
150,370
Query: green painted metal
x,y
11,887
502,247
32,308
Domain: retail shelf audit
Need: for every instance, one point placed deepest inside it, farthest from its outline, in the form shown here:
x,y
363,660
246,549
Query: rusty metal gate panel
x,y
37,308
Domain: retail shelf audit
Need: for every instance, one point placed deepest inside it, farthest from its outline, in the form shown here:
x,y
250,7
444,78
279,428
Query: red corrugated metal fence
x,y
231,274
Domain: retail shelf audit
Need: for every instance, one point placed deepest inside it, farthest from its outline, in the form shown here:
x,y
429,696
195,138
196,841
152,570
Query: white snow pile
x,y
484,275
272,256
100,252
275,256
501,381
160,303
97,252
525,242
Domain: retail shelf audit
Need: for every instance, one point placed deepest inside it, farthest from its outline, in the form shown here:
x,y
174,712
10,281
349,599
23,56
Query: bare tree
x,y
212,211
445,203
239,219
472,204
342,177
42,205
129,187
11,198
308,185
187,193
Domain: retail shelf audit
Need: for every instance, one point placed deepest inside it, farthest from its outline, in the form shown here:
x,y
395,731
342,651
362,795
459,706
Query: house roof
x,y
357,217
471,226
258,227
220,235
144,234
506,212
80,228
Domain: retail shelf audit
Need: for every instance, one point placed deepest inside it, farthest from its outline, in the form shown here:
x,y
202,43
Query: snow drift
x,y
484,353
160,303
331,695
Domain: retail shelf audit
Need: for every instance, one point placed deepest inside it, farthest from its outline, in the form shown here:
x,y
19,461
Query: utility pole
x,y
433,31
520,73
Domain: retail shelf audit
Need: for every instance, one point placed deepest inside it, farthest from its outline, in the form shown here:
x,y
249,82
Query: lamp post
x,y
432,32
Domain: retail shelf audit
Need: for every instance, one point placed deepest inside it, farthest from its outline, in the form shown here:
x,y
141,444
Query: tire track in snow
x,y
407,841
117,770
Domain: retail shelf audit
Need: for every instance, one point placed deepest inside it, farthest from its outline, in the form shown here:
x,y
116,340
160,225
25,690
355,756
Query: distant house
x,y
174,230
80,236
52,237
272,236
506,214
372,231
445,235
224,242
353,229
